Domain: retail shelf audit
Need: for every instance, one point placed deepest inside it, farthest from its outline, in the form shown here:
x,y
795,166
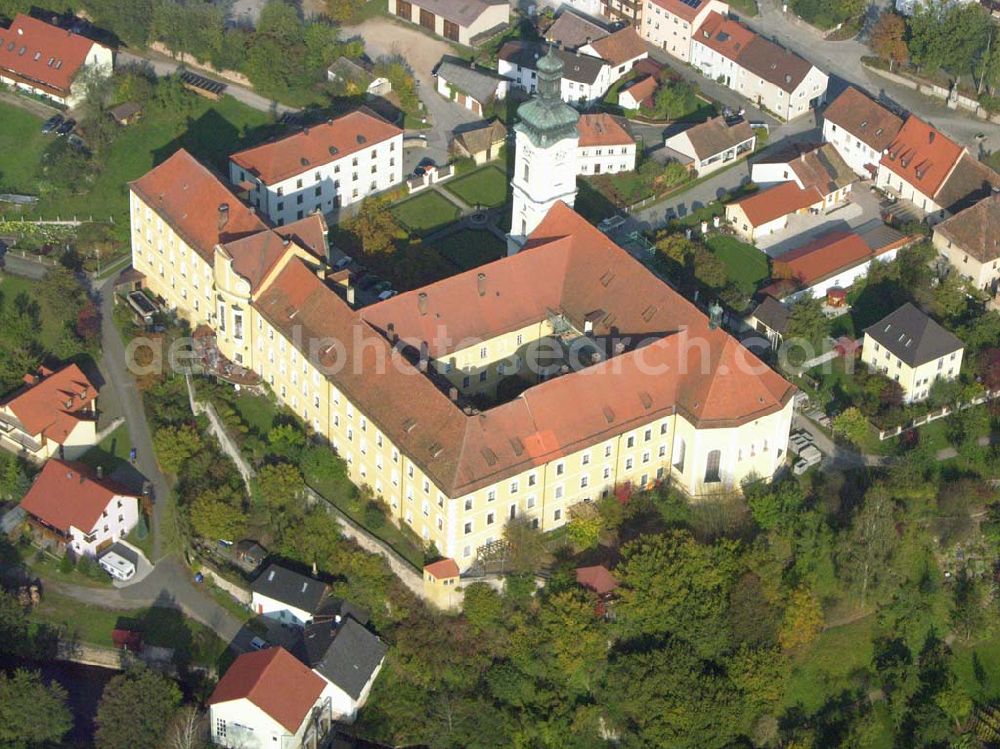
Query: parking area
x,y
862,207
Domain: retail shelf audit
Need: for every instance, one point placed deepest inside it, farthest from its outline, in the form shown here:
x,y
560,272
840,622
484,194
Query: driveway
x,y
421,52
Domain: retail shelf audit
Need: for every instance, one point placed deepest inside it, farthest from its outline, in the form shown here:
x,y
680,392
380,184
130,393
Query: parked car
x,y
67,127
419,171
381,286
52,123
369,282
342,263
258,643
426,162
387,294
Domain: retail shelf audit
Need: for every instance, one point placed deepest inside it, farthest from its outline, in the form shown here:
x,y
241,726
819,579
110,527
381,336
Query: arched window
x,y
712,467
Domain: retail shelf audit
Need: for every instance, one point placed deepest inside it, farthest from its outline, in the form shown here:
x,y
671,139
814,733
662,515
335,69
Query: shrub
x,y
374,515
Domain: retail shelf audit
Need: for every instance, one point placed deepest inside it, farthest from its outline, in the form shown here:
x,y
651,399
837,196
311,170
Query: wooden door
x,y
427,19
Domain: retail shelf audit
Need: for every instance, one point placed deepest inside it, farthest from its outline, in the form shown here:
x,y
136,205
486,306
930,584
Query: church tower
x,y
545,146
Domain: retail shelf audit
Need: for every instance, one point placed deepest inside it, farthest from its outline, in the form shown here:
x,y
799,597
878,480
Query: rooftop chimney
x,y
350,294
422,302
619,348
481,284
223,215
100,472
930,137
391,330
453,394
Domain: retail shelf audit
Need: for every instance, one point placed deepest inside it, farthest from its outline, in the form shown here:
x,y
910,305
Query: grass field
x,y
486,187
426,213
745,263
21,146
209,130
53,325
829,664
111,453
469,248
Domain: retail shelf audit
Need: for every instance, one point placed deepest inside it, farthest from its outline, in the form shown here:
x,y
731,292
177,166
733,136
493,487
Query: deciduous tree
x,y
218,514
888,39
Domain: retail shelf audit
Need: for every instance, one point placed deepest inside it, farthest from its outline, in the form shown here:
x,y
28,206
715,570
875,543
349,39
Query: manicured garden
x,y
745,263
469,248
425,213
485,187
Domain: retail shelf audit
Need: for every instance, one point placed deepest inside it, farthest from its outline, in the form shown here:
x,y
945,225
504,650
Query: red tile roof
x,y
641,90
189,198
69,494
41,53
681,9
314,146
603,130
620,47
728,38
256,255
275,681
922,155
824,256
598,578
774,202
442,569
975,230
569,267
52,406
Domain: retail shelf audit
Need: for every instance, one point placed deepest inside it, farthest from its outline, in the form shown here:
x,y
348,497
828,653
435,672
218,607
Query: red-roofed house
x,y
46,60
767,211
605,147
69,506
321,168
638,94
917,164
670,24
441,584
268,698
54,413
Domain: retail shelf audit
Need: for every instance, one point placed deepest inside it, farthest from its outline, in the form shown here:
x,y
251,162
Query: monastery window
x,y
584,480
607,451
530,502
468,505
585,460
557,515
440,500
645,456
513,487
531,479
712,467
440,524
560,469
663,451
630,442
648,435
468,530
409,471
427,486
559,492
607,472
490,517
491,495
425,508
628,464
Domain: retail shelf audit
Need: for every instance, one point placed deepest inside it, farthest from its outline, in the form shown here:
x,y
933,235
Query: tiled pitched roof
x,y
824,169
912,336
255,255
52,405
273,680
598,578
716,135
290,587
580,68
864,118
773,314
462,12
727,37
188,197
442,569
688,10
42,53
567,266
774,202
922,155
969,182
480,138
314,146
573,30
975,230
642,89
823,257
479,83
620,47
69,494
603,130
776,65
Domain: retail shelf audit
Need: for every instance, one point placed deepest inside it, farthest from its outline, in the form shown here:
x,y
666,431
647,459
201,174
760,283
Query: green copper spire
x,y
547,118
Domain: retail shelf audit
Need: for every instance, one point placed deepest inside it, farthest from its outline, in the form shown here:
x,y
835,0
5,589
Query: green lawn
x,y
210,130
111,453
21,146
746,264
486,187
425,213
828,665
469,248
258,412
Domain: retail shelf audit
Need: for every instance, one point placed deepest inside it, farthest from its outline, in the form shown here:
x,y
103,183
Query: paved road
x,y
385,37
125,393
842,61
164,66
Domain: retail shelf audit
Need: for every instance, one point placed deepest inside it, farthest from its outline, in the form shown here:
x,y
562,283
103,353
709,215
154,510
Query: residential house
x,y
909,347
467,22
53,413
971,241
766,211
468,85
671,24
73,508
917,163
481,143
454,475
606,146
347,656
573,29
833,260
638,93
268,698
585,78
321,168
808,165
770,318
288,596
714,143
48,61
766,74
441,579
621,50
358,74
860,129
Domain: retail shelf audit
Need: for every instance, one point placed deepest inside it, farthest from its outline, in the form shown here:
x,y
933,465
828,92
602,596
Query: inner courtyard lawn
x,y
425,213
486,187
